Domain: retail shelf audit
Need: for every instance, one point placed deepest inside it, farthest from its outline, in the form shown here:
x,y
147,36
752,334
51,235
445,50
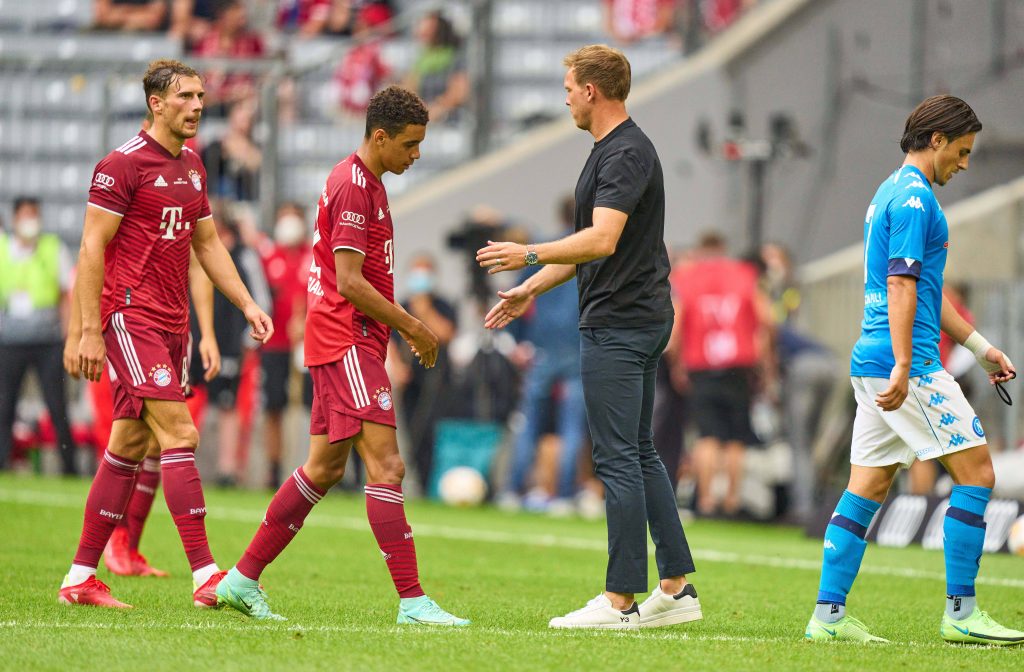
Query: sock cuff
x,y
385,492
306,488
120,463
151,464
177,457
856,508
971,498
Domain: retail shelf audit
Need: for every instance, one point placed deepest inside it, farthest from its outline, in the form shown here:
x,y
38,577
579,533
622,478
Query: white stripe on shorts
x,y
124,339
355,378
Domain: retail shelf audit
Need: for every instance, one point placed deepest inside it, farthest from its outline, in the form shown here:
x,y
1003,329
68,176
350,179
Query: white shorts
x,y
935,420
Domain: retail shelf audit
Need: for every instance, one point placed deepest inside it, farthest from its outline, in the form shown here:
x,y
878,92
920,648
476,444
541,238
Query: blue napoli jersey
x,y
905,233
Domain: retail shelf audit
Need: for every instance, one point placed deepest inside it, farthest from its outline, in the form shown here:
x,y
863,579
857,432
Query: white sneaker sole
x,y
673,617
594,626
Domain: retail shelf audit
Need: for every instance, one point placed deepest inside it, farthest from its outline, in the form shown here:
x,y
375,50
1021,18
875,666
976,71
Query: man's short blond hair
x,y
605,67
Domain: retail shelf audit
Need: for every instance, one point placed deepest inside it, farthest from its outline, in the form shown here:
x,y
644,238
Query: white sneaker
x,y
660,609
599,614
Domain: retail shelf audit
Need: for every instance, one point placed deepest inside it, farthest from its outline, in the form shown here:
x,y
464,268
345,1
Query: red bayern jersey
x,y
285,268
160,198
352,214
717,298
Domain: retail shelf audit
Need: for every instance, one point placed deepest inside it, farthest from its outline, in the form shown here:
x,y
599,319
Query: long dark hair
x,y
939,114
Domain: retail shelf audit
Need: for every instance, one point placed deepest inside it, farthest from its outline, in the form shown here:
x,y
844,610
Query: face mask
x,y
420,281
289,230
28,228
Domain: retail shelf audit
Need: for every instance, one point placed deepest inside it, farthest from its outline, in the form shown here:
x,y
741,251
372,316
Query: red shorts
x,y
147,363
347,392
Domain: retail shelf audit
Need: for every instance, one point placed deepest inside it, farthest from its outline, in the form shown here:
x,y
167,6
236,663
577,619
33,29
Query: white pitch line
x,y
674,635
253,516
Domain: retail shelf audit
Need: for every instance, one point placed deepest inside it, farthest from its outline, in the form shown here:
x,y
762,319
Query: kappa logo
x,y
160,181
957,440
829,545
947,419
914,202
103,180
916,184
936,400
925,380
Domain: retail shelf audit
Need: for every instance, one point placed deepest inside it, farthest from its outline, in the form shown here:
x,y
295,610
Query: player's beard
x,y
184,132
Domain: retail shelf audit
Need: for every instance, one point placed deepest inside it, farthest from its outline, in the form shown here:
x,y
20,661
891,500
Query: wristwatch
x,y
531,256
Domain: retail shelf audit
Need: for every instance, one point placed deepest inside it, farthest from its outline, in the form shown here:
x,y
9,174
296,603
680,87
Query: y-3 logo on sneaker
x,y
624,619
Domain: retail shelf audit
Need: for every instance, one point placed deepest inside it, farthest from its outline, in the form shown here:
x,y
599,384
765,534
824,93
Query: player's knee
x,y
325,474
985,475
390,470
186,436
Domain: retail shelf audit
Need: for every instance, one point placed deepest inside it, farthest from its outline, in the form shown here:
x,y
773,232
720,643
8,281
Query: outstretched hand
x,y
514,302
498,257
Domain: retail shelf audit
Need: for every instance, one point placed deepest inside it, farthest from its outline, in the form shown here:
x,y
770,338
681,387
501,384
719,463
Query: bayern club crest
x,y
161,375
197,181
384,399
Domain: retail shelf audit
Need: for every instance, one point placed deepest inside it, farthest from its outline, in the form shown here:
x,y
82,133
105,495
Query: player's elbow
x,y
606,246
347,285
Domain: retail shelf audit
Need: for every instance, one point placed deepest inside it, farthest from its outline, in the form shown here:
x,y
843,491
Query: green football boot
x,y
424,611
251,600
846,629
979,628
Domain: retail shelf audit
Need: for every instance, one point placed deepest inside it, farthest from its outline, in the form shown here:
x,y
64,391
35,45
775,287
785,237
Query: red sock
x,y
141,502
104,508
385,508
184,494
288,509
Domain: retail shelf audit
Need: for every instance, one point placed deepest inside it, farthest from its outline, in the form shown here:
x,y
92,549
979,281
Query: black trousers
x,y
619,367
48,361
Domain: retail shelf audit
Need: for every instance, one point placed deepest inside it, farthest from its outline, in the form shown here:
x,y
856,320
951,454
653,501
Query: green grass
x,y
509,573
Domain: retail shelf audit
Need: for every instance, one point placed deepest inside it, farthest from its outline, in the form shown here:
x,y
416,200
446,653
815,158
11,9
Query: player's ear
x,y
379,136
938,140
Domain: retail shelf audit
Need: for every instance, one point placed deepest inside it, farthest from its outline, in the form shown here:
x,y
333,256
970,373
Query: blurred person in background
x,y
362,71
286,266
232,339
343,14
723,324
671,400
424,395
233,162
192,20
130,15
229,37
631,20
551,331
305,18
35,281
439,72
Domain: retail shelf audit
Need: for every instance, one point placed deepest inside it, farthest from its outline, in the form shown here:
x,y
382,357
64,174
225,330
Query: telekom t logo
x,y
172,221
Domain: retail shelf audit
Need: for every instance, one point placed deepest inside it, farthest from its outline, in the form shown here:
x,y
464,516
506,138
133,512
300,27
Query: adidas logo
x,y
380,213
160,181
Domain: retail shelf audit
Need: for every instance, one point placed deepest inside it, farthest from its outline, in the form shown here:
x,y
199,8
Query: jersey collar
x,y
150,141
914,169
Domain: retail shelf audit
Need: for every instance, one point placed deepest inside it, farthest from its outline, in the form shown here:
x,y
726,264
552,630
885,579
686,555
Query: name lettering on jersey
x,y
914,202
354,219
380,214
160,181
132,145
874,297
358,177
323,194
172,222
313,286
103,180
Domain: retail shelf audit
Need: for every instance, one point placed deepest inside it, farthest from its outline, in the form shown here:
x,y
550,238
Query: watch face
x,y
531,258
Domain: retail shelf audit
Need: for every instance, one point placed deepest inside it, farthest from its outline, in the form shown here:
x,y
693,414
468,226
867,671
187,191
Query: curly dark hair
x,y
161,74
393,109
939,114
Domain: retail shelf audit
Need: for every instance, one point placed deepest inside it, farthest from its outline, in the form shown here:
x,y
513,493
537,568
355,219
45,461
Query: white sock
x,y
80,574
203,574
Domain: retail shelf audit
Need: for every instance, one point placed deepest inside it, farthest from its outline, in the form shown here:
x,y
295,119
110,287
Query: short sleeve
x,y
622,180
205,211
349,211
909,218
113,184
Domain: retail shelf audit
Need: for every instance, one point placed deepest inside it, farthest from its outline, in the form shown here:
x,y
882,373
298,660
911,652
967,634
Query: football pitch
x,y
509,573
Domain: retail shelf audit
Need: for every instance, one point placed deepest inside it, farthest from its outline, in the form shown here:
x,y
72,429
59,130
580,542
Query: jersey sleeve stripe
x,y
202,219
347,247
113,212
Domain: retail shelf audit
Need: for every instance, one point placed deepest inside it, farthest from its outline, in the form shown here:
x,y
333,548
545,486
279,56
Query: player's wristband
x,y
980,346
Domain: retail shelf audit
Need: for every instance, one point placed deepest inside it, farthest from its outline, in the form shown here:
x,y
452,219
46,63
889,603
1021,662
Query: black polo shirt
x,y
631,286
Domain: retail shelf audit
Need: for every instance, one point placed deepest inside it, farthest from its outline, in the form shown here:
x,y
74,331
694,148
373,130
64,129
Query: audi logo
x,y
103,180
354,217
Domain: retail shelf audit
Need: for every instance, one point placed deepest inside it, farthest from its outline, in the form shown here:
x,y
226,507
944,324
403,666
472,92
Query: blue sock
x,y
963,533
844,550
